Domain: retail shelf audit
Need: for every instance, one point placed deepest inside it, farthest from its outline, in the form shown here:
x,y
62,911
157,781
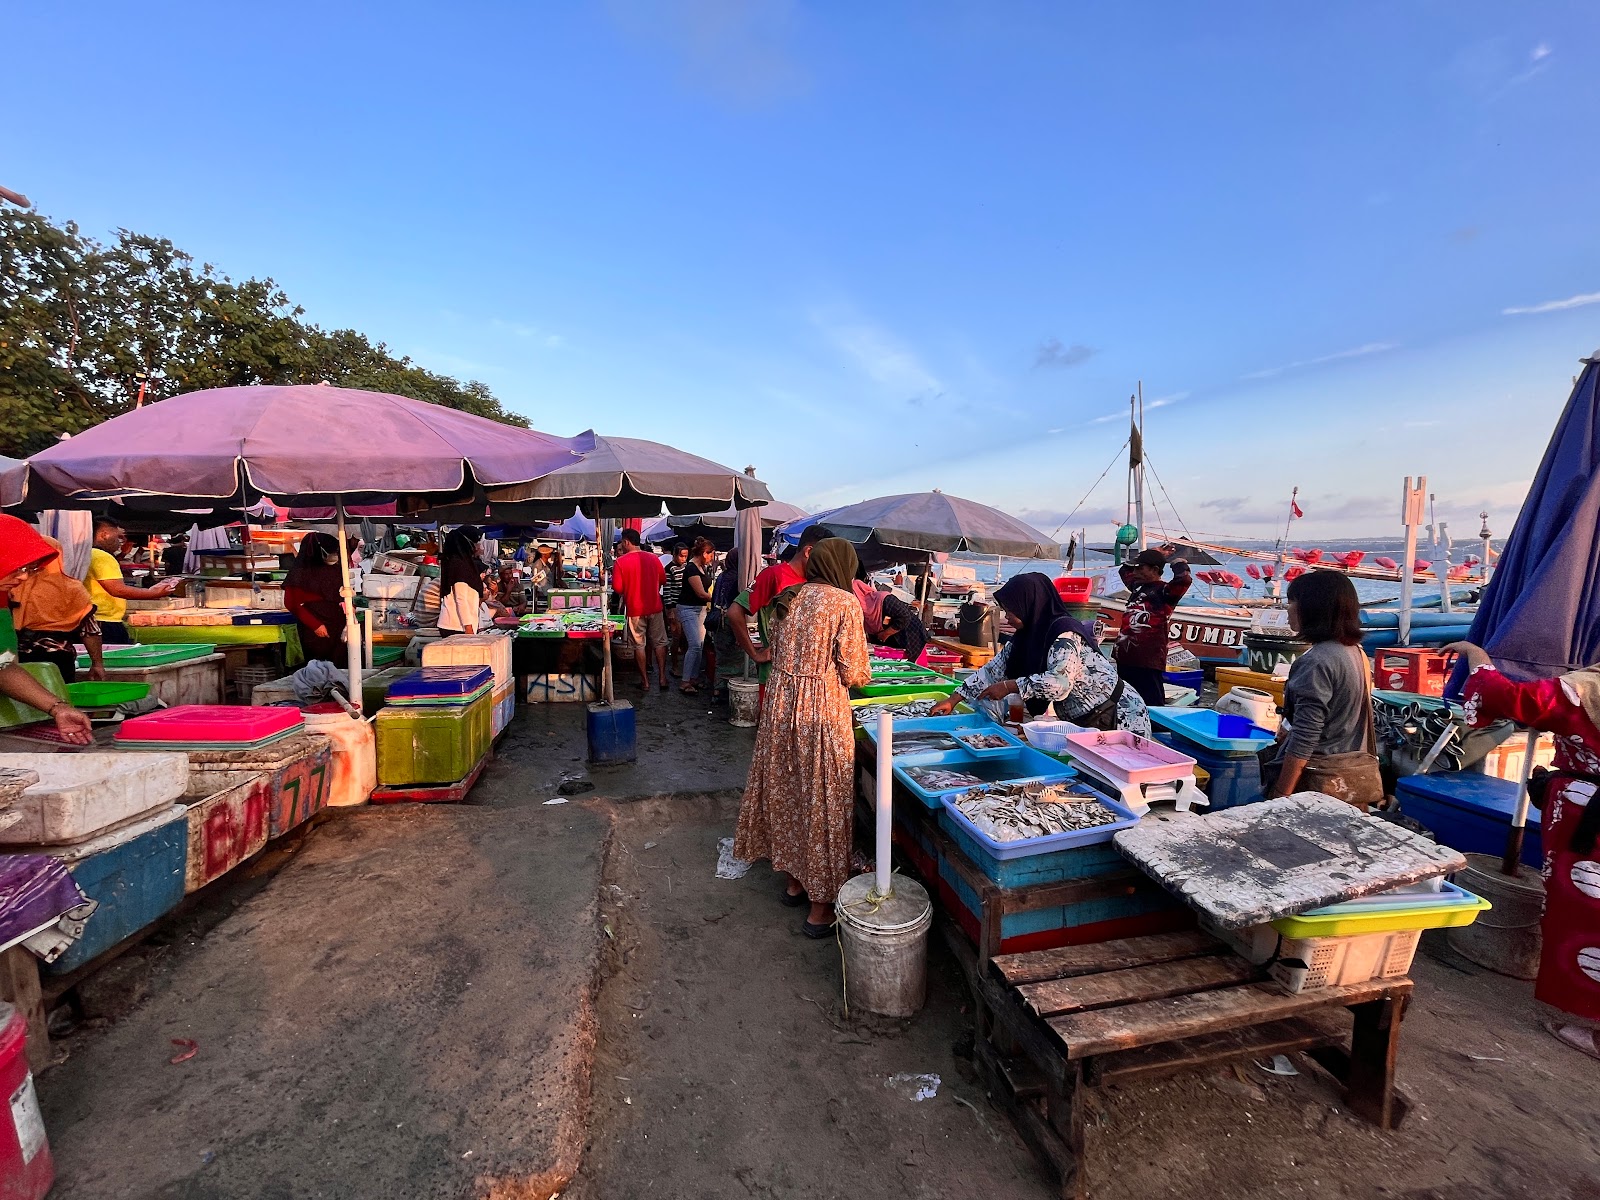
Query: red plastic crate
x,y
1410,669
210,723
1074,588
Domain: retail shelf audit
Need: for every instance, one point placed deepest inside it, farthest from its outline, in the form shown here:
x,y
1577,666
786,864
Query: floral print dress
x,y
1076,679
799,800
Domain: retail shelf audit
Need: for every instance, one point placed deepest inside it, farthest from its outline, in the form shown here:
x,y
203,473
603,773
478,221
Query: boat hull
x,y
1213,635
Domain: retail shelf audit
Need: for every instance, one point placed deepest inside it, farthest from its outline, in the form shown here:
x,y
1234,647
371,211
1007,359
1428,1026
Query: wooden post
x,y
19,983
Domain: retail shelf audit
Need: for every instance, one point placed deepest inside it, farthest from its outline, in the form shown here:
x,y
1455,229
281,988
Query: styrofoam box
x,y
79,796
230,593
391,587
477,650
563,689
1306,963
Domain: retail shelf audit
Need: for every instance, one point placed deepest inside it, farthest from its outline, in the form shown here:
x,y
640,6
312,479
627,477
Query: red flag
x,y
1295,509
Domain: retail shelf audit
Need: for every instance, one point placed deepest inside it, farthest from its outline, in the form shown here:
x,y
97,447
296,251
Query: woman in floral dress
x,y
1569,707
1052,662
799,800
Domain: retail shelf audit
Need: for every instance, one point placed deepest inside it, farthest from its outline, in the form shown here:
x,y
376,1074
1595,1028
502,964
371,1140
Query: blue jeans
x,y
693,620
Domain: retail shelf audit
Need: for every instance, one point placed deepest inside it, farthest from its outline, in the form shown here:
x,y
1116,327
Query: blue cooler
x,y
1469,812
1223,744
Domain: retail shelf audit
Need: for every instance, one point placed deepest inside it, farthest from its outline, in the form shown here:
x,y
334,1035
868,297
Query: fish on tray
x,y
983,741
867,714
1010,812
923,741
941,779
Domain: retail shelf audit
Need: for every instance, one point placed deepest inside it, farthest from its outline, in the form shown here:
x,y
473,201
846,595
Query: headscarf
x,y
20,545
312,572
1584,685
459,562
1035,601
51,600
833,562
871,606
726,589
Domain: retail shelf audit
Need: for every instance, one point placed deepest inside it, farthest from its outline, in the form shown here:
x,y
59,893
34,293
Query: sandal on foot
x,y
817,932
793,899
689,689
1580,1037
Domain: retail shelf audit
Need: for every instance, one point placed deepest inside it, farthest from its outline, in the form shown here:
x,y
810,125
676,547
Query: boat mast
x,y
1136,462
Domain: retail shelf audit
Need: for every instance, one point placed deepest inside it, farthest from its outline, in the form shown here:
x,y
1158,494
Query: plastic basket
x,y
1307,963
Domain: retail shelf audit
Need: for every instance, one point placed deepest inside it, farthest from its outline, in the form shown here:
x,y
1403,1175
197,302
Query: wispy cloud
x,y
737,49
879,355
517,329
1163,401
1579,301
1052,353
1354,352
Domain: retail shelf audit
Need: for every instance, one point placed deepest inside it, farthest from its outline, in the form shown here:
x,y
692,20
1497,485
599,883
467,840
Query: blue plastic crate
x,y
442,681
1140,902
1469,812
1025,764
1199,727
990,851
1085,861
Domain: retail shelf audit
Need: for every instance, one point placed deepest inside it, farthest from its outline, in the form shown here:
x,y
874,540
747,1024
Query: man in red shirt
x,y
638,577
1141,650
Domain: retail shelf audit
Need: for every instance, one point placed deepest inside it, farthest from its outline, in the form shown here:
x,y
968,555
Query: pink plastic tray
x,y
210,723
1123,757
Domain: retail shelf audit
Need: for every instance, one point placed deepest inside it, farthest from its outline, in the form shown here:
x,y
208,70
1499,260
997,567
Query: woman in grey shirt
x,y
1326,743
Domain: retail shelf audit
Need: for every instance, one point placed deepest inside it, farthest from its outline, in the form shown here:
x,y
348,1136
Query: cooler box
x,y
136,876
444,683
225,828
82,794
1415,669
184,679
210,726
563,689
491,650
505,707
297,769
353,767
432,745
26,1168
1469,812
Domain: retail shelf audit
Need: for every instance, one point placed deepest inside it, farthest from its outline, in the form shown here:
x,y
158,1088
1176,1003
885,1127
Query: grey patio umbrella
x,y
935,523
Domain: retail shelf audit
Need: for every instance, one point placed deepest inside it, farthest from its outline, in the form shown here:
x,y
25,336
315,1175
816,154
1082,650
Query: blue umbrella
x,y
1540,614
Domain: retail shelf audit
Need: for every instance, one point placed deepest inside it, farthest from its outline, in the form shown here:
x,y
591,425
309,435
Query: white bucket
x,y
885,945
1252,703
744,702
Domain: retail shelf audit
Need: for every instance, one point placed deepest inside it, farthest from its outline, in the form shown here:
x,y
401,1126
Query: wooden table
x,y
1054,1022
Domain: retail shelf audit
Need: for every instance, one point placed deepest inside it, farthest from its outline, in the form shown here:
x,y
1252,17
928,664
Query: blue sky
x,y
887,247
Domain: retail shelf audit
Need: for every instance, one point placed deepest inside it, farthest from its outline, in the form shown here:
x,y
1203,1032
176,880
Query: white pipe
x,y
885,806
1409,506
352,632
1444,575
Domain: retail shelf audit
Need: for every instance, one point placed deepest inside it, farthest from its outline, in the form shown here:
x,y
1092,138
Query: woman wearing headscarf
x,y
890,621
1569,707
52,613
460,581
798,807
1052,664
311,594
23,554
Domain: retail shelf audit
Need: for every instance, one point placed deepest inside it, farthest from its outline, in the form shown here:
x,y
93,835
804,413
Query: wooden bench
x,y
1053,1022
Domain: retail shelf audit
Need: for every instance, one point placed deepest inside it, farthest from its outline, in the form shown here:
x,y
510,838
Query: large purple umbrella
x,y
228,448
304,445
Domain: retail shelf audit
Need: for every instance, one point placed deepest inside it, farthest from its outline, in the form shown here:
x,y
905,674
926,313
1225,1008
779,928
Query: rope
x,y
1114,459
1175,514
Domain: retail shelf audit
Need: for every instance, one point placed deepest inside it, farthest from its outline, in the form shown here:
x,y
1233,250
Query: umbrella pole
x,y
607,693
1519,814
352,632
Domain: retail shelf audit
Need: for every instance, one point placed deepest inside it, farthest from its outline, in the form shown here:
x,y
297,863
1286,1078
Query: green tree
x,y
84,324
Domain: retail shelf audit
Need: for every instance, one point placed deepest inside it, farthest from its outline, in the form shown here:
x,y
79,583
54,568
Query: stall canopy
x,y
721,527
630,477
919,524
227,449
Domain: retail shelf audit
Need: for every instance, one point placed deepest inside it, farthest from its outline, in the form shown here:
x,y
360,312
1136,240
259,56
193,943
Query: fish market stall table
x,y
285,639
174,677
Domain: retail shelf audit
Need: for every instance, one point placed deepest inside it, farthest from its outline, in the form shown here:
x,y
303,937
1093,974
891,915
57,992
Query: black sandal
x,y
793,899
818,932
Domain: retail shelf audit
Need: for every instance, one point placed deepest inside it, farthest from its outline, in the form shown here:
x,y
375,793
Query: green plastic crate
x,y
124,657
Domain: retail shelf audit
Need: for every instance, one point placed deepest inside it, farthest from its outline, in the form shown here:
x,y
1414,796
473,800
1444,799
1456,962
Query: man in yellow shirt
x,y
107,588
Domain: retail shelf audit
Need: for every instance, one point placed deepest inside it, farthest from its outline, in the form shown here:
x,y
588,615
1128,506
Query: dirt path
x,y
725,1068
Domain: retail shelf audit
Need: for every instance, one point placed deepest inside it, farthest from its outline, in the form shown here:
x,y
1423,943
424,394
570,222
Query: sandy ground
x,y
405,1003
